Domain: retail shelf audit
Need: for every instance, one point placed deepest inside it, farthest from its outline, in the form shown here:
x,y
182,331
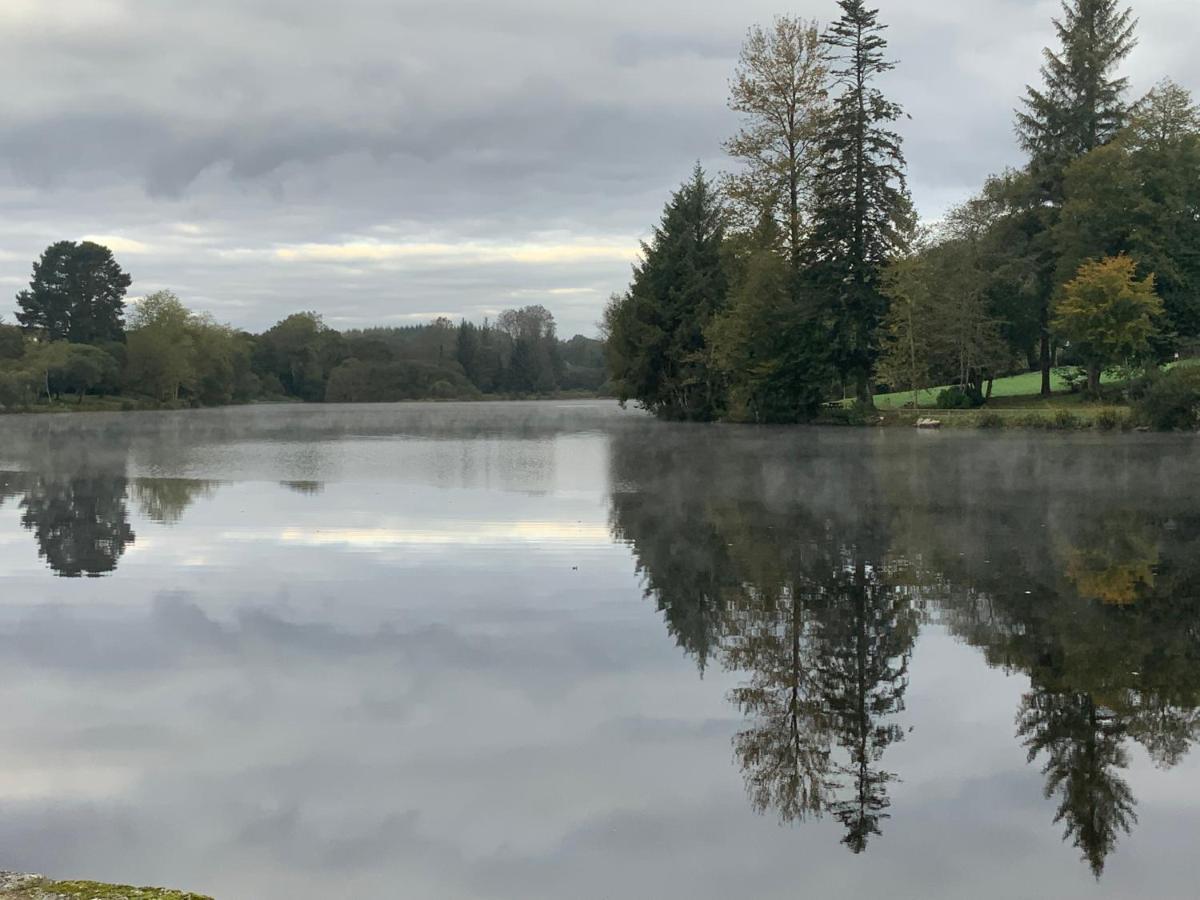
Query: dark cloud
x,y
204,139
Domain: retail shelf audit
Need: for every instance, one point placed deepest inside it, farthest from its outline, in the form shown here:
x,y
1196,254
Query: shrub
x,y
1109,419
991,420
843,415
1171,402
1065,419
960,398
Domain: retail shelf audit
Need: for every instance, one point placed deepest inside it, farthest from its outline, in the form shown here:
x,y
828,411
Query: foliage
x,y
300,351
766,347
77,294
1107,314
779,88
862,214
1171,402
657,349
1081,105
355,381
1140,195
959,398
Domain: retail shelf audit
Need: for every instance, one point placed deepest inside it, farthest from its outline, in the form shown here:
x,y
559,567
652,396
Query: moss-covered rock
x,y
35,887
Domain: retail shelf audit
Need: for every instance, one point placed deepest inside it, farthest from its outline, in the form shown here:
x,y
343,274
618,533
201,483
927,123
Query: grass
x,y
1027,386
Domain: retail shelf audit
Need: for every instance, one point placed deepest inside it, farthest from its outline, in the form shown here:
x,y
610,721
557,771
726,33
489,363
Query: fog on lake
x,y
550,650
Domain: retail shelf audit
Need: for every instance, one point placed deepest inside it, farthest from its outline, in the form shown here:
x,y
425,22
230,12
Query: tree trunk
x,y
1094,380
1046,366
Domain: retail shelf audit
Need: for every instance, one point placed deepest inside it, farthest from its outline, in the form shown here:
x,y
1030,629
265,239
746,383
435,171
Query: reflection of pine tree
x,y
1083,748
785,756
865,637
81,524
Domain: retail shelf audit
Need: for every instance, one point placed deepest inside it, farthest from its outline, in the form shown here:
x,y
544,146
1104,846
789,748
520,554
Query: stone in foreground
x,y
37,887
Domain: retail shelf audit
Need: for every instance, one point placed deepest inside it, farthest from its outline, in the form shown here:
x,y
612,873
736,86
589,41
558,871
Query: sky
x,y
388,161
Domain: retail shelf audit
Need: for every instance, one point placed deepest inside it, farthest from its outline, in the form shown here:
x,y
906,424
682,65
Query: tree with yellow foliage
x,y
1107,314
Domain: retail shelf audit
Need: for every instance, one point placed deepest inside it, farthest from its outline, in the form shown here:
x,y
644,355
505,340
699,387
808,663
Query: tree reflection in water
x,y
808,568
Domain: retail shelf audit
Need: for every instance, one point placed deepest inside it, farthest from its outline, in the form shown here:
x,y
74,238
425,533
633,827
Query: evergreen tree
x,y
657,350
862,208
77,294
1083,746
1081,105
1079,108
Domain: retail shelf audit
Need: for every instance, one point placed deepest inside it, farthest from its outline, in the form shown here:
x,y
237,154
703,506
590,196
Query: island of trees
x,y
804,278
73,342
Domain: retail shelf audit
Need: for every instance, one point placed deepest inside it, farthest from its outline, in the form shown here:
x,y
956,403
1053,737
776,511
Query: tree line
x,y
73,337
805,276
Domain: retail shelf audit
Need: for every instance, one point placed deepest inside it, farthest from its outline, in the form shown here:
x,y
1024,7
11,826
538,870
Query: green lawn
x,y
1028,384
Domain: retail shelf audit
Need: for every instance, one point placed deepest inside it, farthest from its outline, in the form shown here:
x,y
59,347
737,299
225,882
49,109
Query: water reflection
x,y
392,584
808,569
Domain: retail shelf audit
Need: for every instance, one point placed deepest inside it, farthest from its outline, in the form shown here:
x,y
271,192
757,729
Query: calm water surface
x,y
564,651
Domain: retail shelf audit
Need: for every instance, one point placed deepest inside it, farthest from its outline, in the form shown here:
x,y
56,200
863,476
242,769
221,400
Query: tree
x,y
81,524
779,88
161,352
939,328
770,352
301,351
1107,314
12,342
1084,755
657,350
77,294
83,368
535,365
1080,107
862,212
907,360
1140,195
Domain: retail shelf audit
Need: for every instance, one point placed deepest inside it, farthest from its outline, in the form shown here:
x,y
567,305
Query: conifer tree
x,y
862,208
657,349
1079,108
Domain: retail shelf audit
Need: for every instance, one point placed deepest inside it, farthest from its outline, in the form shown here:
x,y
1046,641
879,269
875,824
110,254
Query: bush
x,y
843,415
1065,419
991,420
1171,402
960,398
1109,420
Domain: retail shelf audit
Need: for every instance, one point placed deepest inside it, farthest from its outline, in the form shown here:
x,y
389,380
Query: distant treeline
x,y
73,340
804,276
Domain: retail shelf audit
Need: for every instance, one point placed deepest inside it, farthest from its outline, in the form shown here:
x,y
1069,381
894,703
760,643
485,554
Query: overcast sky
x,y
386,161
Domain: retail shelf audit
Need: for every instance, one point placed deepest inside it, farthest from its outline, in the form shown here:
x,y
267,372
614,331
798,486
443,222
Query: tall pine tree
x,y
1080,107
657,350
862,209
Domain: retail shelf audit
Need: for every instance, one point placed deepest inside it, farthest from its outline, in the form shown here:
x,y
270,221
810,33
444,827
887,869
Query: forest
x,y
74,344
802,283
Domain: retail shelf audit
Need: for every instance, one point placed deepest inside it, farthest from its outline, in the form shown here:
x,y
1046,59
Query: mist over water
x,y
555,650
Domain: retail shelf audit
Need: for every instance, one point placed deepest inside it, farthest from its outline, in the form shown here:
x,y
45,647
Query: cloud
x,y
378,158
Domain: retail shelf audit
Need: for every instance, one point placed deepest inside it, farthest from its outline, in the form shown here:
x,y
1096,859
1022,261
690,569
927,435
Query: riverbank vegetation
x,y
35,887
803,277
74,346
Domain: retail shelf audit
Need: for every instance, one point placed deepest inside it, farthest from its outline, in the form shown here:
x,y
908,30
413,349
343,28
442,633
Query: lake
x,y
561,650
